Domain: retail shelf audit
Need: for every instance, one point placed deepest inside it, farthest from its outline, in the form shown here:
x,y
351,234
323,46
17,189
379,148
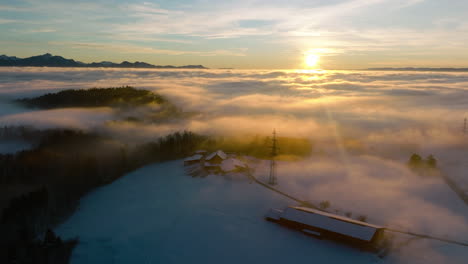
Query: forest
x,y
125,96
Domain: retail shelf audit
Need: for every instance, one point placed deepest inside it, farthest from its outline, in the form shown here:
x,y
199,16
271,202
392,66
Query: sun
x,y
311,59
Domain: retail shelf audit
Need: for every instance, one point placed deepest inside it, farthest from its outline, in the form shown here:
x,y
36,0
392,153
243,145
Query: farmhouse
x,y
329,226
216,162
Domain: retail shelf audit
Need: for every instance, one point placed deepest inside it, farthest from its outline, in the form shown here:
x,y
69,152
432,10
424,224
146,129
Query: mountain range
x,y
420,69
49,60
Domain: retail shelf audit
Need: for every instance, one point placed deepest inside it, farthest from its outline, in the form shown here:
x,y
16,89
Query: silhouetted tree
x,y
415,161
431,162
362,218
118,97
50,237
324,205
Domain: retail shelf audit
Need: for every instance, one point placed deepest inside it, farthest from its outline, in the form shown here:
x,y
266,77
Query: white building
x,y
329,226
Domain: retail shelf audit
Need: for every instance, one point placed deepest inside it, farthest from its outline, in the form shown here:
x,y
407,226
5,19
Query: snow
x,y
316,219
219,153
158,214
231,164
194,158
200,151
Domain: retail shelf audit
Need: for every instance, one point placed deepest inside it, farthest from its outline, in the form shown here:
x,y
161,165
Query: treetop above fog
x,y
125,96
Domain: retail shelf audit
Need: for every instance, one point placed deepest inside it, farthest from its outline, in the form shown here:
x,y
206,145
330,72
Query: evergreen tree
x,y
431,162
324,205
415,161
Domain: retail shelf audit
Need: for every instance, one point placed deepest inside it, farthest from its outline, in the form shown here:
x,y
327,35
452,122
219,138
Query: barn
x,y
329,226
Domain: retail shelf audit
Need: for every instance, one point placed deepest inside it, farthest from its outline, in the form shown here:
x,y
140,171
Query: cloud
x,y
76,118
7,21
362,104
138,49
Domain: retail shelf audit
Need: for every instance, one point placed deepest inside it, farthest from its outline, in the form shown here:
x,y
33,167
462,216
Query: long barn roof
x,y
331,222
338,217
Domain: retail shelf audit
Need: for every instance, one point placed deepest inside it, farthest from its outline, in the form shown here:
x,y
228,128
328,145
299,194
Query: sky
x,y
248,34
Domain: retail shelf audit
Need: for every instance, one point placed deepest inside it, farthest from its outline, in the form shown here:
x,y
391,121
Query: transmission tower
x,y
274,151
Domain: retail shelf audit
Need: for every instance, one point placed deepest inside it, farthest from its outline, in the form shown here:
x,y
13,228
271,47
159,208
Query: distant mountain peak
x,y
5,57
419,69
49,60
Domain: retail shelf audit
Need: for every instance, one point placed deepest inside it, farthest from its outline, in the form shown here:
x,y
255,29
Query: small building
x,y
216,157
195,159
329,226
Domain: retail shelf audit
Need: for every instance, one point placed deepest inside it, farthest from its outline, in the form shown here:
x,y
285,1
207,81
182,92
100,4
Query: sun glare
x,y
311,60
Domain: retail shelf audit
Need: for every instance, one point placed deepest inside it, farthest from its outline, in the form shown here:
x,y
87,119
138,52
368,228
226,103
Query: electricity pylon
x,y
274,151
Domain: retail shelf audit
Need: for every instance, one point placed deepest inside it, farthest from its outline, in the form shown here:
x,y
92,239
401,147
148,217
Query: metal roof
x,y
338,217
331,222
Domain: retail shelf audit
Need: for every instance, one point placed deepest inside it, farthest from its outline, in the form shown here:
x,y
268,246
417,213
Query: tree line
x,y
125,96
423,166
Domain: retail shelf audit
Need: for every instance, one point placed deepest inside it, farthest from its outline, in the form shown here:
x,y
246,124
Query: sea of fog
x,y
423,108
363,125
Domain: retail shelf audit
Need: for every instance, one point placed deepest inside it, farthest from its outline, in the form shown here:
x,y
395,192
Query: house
x,y
195,159
216,157
329,226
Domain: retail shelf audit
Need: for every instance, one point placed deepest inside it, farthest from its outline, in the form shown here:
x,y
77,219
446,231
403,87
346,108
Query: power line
x,y
460,243
390,229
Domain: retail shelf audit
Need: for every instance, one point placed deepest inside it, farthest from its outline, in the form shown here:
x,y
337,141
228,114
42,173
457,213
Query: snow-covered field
x,y
158,214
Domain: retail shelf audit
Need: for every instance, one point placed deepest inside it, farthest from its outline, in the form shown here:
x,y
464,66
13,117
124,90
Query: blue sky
x,y
242,34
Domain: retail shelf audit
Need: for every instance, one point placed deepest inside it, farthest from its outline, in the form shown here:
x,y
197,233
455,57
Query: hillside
x,y
97,97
